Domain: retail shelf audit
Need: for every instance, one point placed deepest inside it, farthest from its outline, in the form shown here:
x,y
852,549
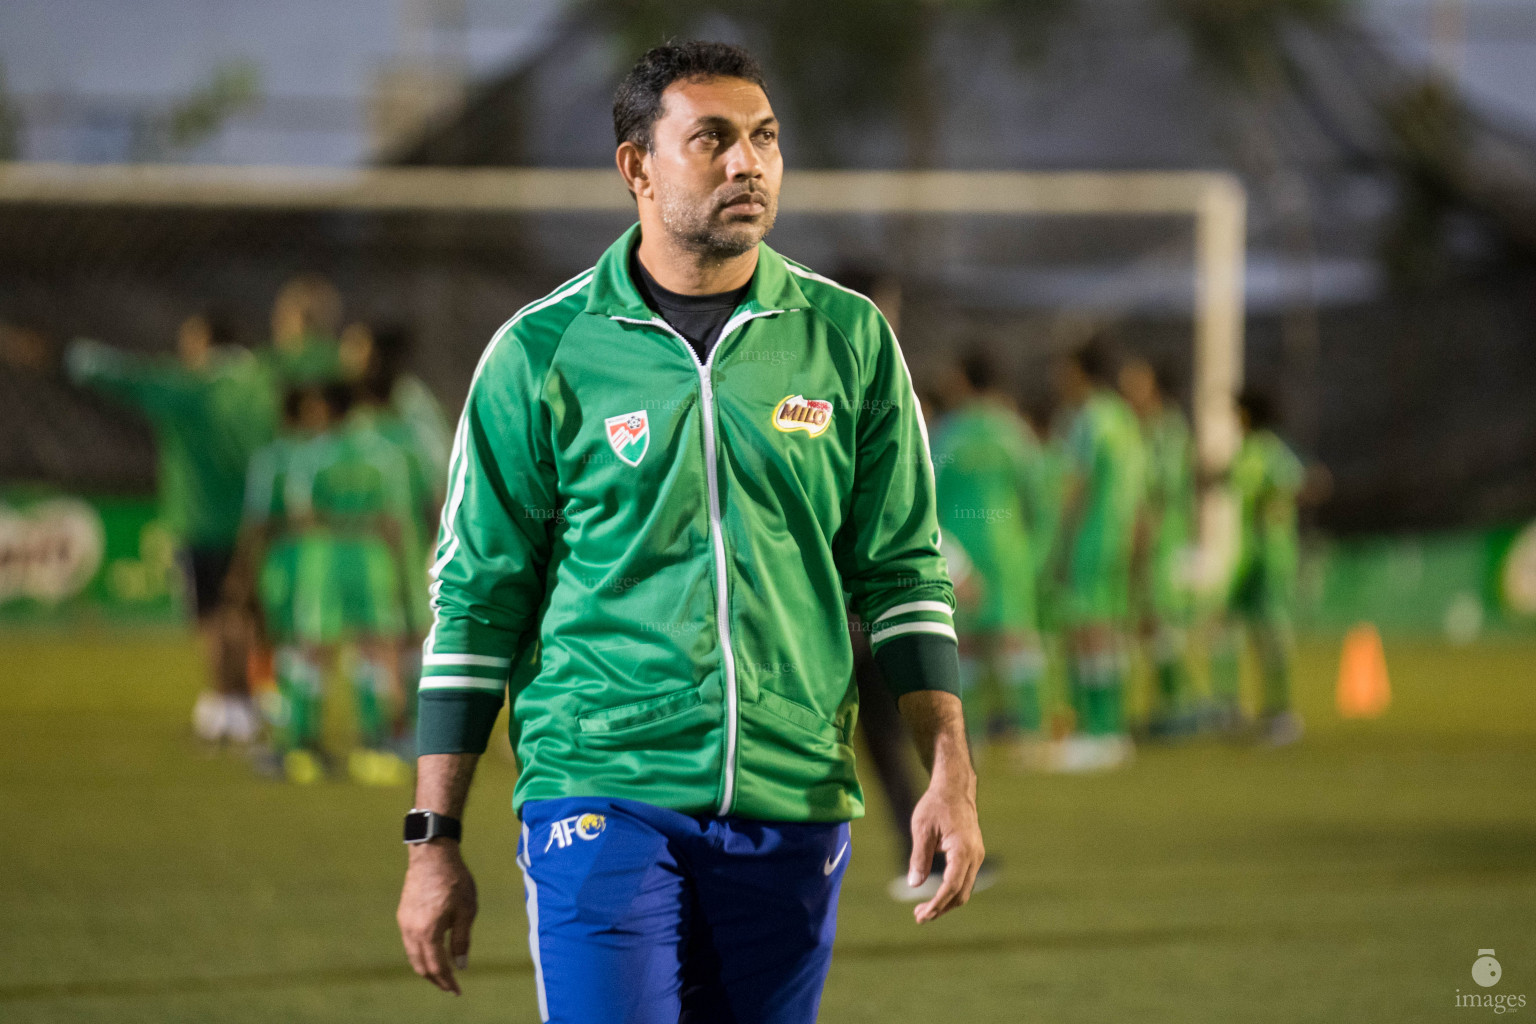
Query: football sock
x,y
298,685
1101,679
1113,694
1168,650
1077,688
1274,652
1226,666
371,699
1021,675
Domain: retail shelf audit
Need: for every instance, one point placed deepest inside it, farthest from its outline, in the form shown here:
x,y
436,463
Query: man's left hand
x,y
945,819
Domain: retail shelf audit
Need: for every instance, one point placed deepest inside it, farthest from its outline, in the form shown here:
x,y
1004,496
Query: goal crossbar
x,y
1215,201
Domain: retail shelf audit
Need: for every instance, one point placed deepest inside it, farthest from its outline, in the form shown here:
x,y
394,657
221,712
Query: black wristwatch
x,y
425,826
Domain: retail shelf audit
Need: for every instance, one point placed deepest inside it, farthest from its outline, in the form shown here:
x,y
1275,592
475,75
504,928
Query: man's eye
x,y
767,136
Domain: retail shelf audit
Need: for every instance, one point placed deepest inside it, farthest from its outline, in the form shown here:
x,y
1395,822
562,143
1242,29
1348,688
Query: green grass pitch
x,y
1353,878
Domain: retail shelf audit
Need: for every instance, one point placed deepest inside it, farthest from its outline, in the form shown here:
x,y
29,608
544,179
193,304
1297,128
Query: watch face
x,y
416,826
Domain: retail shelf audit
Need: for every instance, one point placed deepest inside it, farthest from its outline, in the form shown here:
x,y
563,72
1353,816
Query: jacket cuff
x,y
920,661
455,721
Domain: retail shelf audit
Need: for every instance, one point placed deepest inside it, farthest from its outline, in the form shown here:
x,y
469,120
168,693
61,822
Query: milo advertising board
x,y
71,558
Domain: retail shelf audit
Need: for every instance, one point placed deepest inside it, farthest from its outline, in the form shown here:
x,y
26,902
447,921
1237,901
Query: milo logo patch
x,y
797,412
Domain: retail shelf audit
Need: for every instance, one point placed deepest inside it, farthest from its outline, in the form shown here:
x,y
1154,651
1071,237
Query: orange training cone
x,y
1363,691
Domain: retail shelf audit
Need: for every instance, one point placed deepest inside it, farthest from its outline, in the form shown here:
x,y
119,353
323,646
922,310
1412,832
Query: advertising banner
x,y
72,558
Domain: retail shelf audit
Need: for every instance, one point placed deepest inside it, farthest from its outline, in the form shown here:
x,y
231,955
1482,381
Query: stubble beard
x,y
698,227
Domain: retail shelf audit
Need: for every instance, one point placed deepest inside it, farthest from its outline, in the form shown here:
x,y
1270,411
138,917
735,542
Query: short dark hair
x,y
1167,381
637,102
979,368
339,397
221,321
1259,406
1095,359
293,402
392,344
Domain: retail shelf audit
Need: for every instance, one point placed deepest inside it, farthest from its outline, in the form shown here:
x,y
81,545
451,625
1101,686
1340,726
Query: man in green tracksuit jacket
x,y
667,474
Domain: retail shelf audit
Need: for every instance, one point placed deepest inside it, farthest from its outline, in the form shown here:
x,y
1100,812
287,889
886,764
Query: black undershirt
x,y
698,318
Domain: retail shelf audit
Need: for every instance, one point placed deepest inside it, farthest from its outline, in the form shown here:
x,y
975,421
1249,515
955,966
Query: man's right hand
x,y
438,901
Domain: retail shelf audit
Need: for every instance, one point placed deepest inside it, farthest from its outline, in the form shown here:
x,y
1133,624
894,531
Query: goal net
x,y
1024,264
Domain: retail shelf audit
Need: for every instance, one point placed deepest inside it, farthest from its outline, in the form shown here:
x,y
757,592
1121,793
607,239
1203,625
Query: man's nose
x,y
743,161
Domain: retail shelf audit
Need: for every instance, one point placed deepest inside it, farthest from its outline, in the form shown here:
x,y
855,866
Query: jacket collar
x,y
773,288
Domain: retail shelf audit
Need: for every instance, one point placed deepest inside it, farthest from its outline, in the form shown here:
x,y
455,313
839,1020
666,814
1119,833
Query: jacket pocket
x,y
798,715
642,721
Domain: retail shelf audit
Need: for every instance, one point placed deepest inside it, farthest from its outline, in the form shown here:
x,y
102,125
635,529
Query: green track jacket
x,y
656,552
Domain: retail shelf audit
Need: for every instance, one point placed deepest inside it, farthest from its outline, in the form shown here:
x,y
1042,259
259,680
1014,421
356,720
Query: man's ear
x,y
631,161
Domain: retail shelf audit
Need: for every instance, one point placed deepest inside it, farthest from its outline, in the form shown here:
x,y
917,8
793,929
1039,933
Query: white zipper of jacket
x,y
717,538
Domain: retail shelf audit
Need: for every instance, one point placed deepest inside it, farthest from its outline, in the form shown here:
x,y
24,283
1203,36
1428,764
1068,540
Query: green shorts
x,y
346,588
1005,577
274,588
1165,595
1097,589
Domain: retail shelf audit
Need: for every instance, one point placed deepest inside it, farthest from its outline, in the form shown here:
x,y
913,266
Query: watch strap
x,y
424,826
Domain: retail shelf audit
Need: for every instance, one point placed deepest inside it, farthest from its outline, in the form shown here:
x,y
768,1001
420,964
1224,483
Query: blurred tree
x,y
1244,40
855,58
1427,131
200,114
232,87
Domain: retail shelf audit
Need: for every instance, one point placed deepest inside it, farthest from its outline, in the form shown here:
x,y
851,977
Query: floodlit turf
x,y
1351,879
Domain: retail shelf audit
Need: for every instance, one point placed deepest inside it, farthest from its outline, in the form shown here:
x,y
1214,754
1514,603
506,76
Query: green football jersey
x,y
1107,464
430,436
1171,477
207,426
1050,479
311,359
351,485
266,479
422,502
1106,479
987,465
384,424
1265,478
1170,508
351,479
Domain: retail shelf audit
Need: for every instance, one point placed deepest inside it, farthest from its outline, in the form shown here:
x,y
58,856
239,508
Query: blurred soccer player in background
x,y
1266,478
376,358
987,464
306,315
261,581
1162,598
211,407
399,407
349,489
1102,493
